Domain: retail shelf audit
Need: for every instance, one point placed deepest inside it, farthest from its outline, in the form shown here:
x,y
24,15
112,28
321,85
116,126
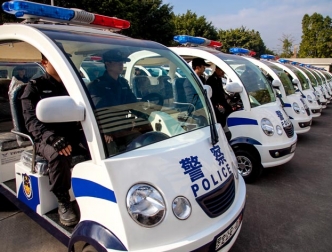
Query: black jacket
x,y
106,91
40,88
218,98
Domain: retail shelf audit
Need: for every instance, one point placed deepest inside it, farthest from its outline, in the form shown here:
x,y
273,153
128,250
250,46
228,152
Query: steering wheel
x,y
146,138
152,99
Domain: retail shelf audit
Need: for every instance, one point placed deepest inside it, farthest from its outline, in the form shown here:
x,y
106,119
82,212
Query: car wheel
x,y
249,166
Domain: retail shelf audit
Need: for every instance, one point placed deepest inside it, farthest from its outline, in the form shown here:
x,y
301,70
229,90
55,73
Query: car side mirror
x,y
233,87
296,82
59,109
276,83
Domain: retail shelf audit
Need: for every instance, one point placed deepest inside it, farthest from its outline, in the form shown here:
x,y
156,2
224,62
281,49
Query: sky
x,y
272,19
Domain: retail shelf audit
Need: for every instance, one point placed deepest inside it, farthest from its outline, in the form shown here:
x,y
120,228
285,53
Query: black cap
x,y
199,62
114,55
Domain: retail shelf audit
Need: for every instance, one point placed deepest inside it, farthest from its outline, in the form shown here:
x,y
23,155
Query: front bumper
x,y
269,161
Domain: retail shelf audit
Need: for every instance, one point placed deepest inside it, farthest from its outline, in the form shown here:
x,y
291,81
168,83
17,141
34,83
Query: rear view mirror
x,y
233,87
276,83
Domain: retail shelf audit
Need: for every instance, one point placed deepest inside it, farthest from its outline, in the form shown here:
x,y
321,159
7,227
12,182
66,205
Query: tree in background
x,y
242,37
190,24
149,19
287,46
271,52
317,37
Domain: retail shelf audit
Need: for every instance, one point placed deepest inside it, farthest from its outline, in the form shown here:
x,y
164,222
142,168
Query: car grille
x,y
219,200
289,130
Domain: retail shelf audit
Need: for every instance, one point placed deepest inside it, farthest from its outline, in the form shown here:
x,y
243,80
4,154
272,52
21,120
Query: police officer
x,y
111,89
21,74
198,65
56,142
221,107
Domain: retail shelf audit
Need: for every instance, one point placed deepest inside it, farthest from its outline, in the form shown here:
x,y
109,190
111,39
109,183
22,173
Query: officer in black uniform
x,y
221,107
56,142
111,90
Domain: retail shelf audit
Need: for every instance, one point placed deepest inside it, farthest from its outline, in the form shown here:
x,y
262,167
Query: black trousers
x,y
59,165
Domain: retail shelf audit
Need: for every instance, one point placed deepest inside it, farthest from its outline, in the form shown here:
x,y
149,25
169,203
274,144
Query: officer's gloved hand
x,y
57,142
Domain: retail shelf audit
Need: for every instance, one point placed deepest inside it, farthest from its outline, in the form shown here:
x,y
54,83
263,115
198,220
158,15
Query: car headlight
x,y
181,207
279,130
145,205
267,127
296,107
309,98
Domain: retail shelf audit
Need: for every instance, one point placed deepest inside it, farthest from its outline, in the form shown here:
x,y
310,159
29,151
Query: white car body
x,y
301,119
245,125
101,185
303,87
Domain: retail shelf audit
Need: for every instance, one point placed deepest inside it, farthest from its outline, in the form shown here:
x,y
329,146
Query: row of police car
x,y
180,184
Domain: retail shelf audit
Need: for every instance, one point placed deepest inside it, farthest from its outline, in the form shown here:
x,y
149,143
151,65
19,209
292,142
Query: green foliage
x,y
190,24
287,46
150,19
269,51
153,20
317,37
242,37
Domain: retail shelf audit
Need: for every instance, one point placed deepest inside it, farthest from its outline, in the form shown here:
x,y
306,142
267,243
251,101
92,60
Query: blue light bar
x,y
23,9
283,61
302,65
182,39
267,56
238,50
294,63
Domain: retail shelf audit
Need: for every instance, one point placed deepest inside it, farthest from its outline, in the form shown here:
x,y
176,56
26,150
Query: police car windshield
x,y
254,81
318,77
310,76
303,80
134,109
327,76
284,77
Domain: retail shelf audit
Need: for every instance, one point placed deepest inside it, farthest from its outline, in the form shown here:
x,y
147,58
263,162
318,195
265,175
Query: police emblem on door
x,y
27,187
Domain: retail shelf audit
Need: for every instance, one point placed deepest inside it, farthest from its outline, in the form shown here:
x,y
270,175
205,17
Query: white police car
x,y
175,187
294,105
302,86
321,82
313,84
262,134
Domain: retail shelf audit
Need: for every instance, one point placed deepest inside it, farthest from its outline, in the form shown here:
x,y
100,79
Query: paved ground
x,y
288,209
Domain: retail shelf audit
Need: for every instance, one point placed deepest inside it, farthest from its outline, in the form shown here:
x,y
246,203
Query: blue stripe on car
x,y
87,188
236,121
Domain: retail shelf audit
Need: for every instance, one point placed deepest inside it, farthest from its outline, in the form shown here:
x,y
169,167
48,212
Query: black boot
x,y
66,212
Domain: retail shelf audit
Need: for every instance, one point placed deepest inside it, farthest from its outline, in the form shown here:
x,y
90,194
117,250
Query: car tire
x,y
249,166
